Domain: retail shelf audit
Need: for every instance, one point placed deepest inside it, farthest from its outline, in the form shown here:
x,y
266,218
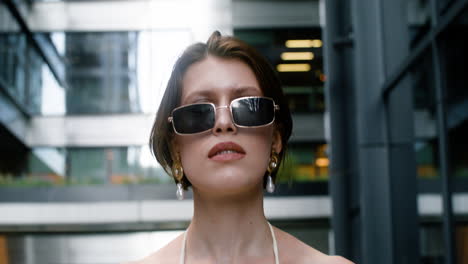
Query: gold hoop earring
x,y
178,174
272,164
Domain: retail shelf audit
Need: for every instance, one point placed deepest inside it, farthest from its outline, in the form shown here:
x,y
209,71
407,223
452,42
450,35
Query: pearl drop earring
x,y
180,192
270,186
178,173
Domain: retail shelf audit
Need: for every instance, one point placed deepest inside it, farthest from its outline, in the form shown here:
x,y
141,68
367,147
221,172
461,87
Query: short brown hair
x,y
221,47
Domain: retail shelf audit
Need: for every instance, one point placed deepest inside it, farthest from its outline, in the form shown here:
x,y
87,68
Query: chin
x,y
228,179
229,186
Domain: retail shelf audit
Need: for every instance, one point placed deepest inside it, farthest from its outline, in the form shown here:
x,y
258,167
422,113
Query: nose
x,y
223,122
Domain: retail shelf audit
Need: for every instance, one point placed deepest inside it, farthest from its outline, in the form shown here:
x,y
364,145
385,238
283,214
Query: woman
x,y
222,128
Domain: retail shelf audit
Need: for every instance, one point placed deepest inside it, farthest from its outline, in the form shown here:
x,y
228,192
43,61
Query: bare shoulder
x,y
169,254
296,251
336,260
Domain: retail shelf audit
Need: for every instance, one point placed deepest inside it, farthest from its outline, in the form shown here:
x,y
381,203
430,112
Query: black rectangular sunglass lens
x,y
255,111
193,118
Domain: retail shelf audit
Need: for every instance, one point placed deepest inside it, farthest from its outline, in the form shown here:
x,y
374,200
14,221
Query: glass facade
x,y
101,72
106,73
13,47
303,87
453,41
441,117
125,73
25,76
432,246
307,161
118,72
90,166
424,104
114,165
420,50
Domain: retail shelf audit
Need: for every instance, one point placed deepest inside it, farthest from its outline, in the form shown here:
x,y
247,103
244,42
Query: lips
x,y
226,151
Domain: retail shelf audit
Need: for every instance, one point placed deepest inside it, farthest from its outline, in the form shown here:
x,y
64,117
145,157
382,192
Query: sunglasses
x,y
252,111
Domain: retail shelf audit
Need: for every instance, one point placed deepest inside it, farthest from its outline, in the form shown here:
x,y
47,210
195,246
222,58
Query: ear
x,y
277,144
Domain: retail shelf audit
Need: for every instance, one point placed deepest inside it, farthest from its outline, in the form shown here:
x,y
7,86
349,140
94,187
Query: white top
x,y
275,246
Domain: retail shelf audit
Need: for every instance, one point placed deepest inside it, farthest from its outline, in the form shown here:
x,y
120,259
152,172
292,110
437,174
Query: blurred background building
x,y
377,168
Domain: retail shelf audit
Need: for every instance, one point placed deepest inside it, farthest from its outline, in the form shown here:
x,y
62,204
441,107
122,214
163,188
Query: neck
x,y
229,229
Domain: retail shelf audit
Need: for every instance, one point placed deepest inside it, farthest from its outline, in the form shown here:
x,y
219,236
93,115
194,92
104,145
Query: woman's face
x,y
226,159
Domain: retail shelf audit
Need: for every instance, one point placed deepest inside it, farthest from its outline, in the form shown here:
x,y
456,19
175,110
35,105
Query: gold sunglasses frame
x,y
275,108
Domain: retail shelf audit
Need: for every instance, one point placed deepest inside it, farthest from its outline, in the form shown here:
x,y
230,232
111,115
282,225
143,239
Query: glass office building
x,y
376,169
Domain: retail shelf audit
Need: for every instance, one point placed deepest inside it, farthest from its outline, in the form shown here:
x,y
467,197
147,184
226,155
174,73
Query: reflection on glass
x,y
444,5
432,247
425,126
304,90
24,7
34,96
454,43
24,74
89,166
43,166
426,158
45,96
461,234
305,99
305,163
99,72
13,61
53,95
58,40
419,20
114,165
457,150
46,166
119,72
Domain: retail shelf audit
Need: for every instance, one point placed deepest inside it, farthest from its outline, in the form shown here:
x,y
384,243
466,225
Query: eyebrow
x,y
246,89
237,91
203,93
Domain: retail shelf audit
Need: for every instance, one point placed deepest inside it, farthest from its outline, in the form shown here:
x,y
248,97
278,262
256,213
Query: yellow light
x,y
322,162
316,43
304,43
297,56
300,67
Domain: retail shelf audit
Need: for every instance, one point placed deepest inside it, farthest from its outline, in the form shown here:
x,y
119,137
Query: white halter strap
x,y
275,246
182,250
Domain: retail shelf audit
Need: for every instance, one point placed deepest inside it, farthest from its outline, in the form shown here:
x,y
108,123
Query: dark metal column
x,y
374,174
373,179
340,120
400,135
440,92
385,135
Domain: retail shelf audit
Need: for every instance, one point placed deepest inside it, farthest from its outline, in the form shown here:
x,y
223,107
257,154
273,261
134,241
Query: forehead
x,y
219,77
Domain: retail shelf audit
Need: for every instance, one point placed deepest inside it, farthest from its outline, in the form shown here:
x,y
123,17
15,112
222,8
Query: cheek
x,y
260,148
193,153
260,140
189,150
259,157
